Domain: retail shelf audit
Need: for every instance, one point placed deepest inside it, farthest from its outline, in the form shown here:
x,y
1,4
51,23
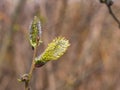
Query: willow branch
x,y
109,3
113,15
33,63
27,77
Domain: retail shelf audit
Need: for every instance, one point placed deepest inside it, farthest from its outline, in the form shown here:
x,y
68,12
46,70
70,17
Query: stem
x,y
113,15
109,3
27,86
32,67
33,63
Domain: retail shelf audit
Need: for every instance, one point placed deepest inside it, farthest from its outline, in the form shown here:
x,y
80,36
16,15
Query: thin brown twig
x,y
32,67
109,3
113,15
27,86
33,63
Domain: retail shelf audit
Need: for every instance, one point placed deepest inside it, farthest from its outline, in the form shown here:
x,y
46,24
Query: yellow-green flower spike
x,y
35,31
54,50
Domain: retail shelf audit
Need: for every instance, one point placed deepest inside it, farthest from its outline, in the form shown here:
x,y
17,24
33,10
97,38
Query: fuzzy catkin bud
x,y
35,31
54,50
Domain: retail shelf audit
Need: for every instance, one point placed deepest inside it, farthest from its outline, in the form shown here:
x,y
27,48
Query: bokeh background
x,y
92,62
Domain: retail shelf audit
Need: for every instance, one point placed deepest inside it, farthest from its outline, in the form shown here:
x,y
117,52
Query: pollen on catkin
x,y
35,31
54,50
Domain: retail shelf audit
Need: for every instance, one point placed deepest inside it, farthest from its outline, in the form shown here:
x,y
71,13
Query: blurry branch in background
x,y
87,54
9,34
86,74
61,17
109,3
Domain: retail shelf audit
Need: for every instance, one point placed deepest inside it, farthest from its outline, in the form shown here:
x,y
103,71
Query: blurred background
x,y
90,63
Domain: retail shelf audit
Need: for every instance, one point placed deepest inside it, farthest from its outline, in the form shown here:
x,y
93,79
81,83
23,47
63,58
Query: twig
x,y
109,3
33,63
32,66
113,15
26,78
27,86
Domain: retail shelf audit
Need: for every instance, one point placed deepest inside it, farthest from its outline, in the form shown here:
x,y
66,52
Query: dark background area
x,y
90,63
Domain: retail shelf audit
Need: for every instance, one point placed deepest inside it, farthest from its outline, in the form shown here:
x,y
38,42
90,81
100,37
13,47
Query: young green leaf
x,y
35,32
54,50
